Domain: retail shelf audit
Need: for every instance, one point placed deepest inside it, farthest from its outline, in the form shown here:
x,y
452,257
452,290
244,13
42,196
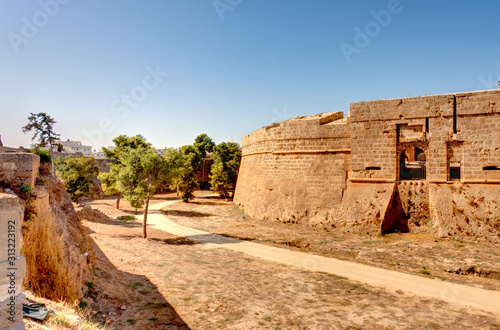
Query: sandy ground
x,y
476,264
171,282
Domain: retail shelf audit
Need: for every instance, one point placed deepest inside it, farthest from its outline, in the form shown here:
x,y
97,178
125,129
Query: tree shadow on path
x,y
124,300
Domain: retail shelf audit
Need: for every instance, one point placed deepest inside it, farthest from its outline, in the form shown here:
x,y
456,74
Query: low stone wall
x,y
17,169
12,264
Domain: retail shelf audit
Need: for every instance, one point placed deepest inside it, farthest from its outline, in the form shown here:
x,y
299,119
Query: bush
x,y
26,189
44,155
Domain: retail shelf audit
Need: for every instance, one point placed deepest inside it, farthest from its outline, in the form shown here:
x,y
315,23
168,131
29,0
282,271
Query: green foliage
x,y
138,175
44,155
224,171
29,208
125,218
26,189
79,175
108,180
124,143
183,165
203,144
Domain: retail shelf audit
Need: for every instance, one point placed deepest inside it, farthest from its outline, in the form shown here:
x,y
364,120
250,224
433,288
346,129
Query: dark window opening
x,y
454,173
491,168
427,125
412,164
373,168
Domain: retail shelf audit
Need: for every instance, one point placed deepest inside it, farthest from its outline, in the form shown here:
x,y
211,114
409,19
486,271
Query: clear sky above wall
x,y
173,69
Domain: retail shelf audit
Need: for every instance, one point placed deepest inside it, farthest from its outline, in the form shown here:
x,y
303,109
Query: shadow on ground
x,y
125,300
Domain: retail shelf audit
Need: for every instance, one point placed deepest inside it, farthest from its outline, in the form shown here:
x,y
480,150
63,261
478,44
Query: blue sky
x,y
173,69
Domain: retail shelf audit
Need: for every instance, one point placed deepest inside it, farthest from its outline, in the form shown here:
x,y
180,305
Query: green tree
x,y
140,172
203,144
79,175
224,171
123,144
108,182
43,125
183,165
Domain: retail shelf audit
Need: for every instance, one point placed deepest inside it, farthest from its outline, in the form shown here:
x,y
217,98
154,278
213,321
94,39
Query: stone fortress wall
x,y
284,166
16,169
351,172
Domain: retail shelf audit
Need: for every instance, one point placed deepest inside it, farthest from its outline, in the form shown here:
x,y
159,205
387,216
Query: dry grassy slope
x,y
58,254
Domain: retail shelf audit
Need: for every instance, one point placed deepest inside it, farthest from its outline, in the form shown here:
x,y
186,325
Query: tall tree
x,y
183,165
204,144
227,157
79,175
142,169
43,125
123,144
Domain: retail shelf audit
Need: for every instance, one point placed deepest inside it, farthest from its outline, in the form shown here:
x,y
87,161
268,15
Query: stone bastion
x,y
418,164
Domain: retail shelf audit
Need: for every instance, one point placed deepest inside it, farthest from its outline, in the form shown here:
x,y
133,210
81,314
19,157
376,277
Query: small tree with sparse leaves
x,y
43,125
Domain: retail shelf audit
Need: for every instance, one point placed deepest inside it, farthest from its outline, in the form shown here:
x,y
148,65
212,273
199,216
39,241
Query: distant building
x,y
99,154
71,147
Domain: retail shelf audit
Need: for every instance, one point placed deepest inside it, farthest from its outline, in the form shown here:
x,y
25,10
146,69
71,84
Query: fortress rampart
x,y
284,166
428,163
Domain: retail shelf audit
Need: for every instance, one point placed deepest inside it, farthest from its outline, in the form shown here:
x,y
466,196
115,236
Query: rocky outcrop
x,y
58,254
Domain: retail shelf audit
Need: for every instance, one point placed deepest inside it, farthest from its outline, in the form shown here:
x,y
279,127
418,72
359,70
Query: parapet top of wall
x,y
467,103
323,125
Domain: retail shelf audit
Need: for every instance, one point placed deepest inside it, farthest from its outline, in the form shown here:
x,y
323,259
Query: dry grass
x,y
63,316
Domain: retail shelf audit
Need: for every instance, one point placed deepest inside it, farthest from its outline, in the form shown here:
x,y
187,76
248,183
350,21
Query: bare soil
x,y
167,282
453,260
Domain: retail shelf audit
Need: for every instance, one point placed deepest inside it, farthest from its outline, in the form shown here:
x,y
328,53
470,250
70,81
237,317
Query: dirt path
x,y
463,295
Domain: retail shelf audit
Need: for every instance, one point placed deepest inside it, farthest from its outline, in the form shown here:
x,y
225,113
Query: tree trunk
x,y
52,158
145,222
118,200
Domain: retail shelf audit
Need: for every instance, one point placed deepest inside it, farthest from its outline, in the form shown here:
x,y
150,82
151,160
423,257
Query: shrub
x,y
44,155
425,272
